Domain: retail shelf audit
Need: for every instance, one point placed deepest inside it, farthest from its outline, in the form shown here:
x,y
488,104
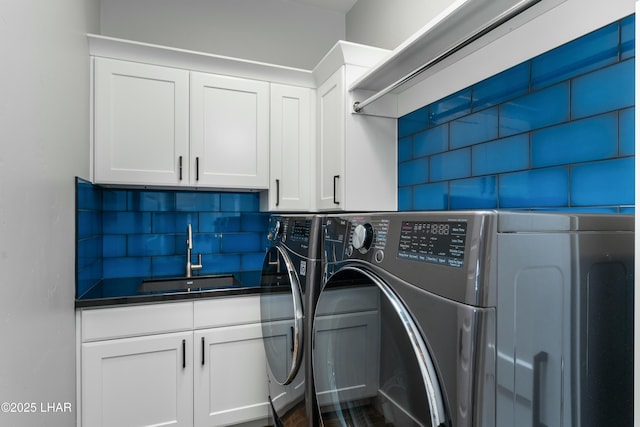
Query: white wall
x,y
273,31
386,24
44,98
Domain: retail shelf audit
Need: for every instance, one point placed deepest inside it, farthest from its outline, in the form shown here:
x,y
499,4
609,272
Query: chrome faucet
x,y
191,267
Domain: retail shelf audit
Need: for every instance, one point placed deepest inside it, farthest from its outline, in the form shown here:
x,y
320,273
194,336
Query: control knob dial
x,y
362,237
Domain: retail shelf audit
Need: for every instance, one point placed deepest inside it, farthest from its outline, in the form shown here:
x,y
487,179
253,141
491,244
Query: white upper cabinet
x,y
331,120
229,132
356,154
292,137
156,125
141,123
195,120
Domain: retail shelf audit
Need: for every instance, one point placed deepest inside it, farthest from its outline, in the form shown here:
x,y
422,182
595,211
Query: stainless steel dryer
x,y
290,285
475,319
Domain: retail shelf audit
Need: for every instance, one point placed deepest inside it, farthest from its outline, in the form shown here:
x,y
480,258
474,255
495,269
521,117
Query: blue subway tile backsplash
x,y
432,141
536,187
89,241
595,138
542,108
593,51
474,128
608,89
554,132
450,165
413,172
502,155
627,38
123,233
429,197
627,132
473,193
450,108
603,183
413,122
509,84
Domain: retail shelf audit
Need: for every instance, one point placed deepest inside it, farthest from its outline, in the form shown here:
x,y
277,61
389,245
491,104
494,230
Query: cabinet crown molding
x,y
347,53
115,48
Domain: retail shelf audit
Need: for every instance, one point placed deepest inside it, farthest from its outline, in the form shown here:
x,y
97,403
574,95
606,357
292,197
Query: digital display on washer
x,y
300,230
433,242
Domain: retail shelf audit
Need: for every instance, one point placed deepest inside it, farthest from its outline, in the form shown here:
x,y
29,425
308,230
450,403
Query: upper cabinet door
x,y
331,142
141,123
229,132
292,165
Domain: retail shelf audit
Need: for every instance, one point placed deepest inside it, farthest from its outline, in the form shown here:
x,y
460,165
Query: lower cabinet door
x,y
142,381
230,380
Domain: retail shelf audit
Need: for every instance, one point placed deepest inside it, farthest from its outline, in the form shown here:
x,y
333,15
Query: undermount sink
x,y
188,283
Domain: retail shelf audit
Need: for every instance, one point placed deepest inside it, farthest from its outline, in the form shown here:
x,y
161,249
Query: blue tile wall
x,y
139,233
556,132
88,236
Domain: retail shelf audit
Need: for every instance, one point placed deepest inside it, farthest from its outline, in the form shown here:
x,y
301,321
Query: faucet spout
x,y
190,267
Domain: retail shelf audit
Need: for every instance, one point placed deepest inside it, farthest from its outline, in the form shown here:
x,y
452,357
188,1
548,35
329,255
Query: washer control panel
x,y
367,236
436,242
294,232
355,236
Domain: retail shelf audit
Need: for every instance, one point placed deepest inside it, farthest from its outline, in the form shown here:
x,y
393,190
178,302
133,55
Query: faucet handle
x,y
198,266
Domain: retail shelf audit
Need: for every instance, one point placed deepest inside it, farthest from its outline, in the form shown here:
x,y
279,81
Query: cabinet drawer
x,y
226,311
129,321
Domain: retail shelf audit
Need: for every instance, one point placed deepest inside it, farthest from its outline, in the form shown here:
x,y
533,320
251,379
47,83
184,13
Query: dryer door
x,y
370,364
281,315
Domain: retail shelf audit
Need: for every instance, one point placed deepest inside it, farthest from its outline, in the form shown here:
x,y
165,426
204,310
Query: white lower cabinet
x,y
141,381
173,364
230,380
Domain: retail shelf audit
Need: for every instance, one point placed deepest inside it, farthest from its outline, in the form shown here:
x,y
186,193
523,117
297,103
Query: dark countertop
x,y
109,292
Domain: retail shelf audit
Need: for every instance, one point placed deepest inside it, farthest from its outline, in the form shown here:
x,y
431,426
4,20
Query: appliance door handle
x,y
296,327
538,360
335,180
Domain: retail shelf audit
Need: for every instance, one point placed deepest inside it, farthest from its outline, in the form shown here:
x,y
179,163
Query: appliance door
x,y
281,315
370,364
281,307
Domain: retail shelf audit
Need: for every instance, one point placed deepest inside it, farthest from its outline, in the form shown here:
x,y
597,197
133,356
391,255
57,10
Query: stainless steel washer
x,y
290,284
478,318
